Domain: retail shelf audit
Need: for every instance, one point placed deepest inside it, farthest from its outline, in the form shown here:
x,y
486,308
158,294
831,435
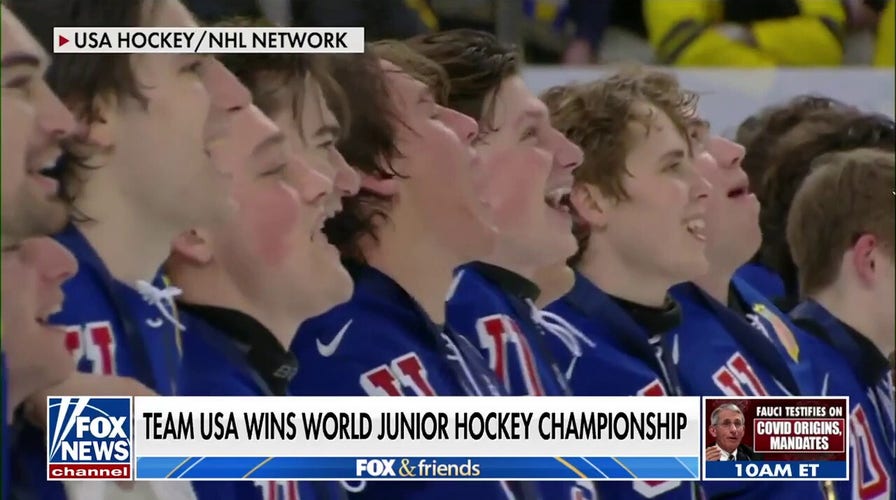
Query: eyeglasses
x,y
736,424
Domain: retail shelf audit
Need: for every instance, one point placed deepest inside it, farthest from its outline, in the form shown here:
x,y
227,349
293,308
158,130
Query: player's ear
x,y
712,432
193,245
384,187
864,258
590,204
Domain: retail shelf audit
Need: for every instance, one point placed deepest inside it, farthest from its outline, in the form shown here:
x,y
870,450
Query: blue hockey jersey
x,y
726,355
861,372
381,343
775,325
626,360
763,279
228,353
493,308
111,328
722,353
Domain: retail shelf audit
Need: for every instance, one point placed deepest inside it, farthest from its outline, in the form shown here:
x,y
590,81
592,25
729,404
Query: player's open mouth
x,y
43,318
740,189
329,213
558,199
697,227
43,177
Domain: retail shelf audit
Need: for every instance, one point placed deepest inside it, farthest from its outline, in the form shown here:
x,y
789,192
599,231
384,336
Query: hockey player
x,y
841,233
416,218
759,134
33,124
732,340
140,171
250,282
641,206
732,236
786,161
528,167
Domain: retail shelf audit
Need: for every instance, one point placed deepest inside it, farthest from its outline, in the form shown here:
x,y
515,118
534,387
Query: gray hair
x,y
714,418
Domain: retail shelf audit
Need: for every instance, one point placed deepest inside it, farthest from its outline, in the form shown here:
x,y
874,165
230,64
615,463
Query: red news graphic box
x,y
761,444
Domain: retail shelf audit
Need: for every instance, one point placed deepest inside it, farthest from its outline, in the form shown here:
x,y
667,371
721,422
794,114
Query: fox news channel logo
x,y
89,438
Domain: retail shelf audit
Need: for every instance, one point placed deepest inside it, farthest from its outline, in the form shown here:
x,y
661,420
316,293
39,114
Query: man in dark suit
x,y
727,427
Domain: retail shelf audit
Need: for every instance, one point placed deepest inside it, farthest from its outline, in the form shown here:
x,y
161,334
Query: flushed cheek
x,y
272,222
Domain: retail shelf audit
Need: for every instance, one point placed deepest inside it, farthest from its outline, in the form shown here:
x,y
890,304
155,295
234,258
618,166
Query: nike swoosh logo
x,y
327,350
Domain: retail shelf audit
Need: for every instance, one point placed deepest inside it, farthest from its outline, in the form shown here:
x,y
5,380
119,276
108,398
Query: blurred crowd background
x,y
740,55
714,33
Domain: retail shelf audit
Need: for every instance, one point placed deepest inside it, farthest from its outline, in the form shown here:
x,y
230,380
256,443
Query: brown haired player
x,y
417,217
785,162
640,203
142,169
840,229
528,167
248,282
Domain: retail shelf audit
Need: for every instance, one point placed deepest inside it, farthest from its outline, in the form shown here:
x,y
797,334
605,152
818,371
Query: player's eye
x,y
529,133
279,170
193,67
10,249
21,84
673,167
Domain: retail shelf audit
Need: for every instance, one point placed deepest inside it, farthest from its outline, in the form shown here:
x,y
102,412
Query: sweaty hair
x,y
368,145
597,117
267,75
416,65
847,194
79,79
789,161
759,132
476,63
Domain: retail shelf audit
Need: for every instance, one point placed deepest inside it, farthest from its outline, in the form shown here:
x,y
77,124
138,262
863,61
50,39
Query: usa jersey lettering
x,y
112,328
500,335
278,490
737,378
403,372
93,347
854,367
726,354
491,308
872,479
620,363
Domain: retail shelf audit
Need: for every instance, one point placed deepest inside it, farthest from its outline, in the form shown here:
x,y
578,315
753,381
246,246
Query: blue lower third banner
x,y
821,470
417,468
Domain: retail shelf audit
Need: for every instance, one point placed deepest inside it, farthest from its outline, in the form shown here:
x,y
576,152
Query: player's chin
x,y
563,243
689,265
335,286
48,329
476,241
